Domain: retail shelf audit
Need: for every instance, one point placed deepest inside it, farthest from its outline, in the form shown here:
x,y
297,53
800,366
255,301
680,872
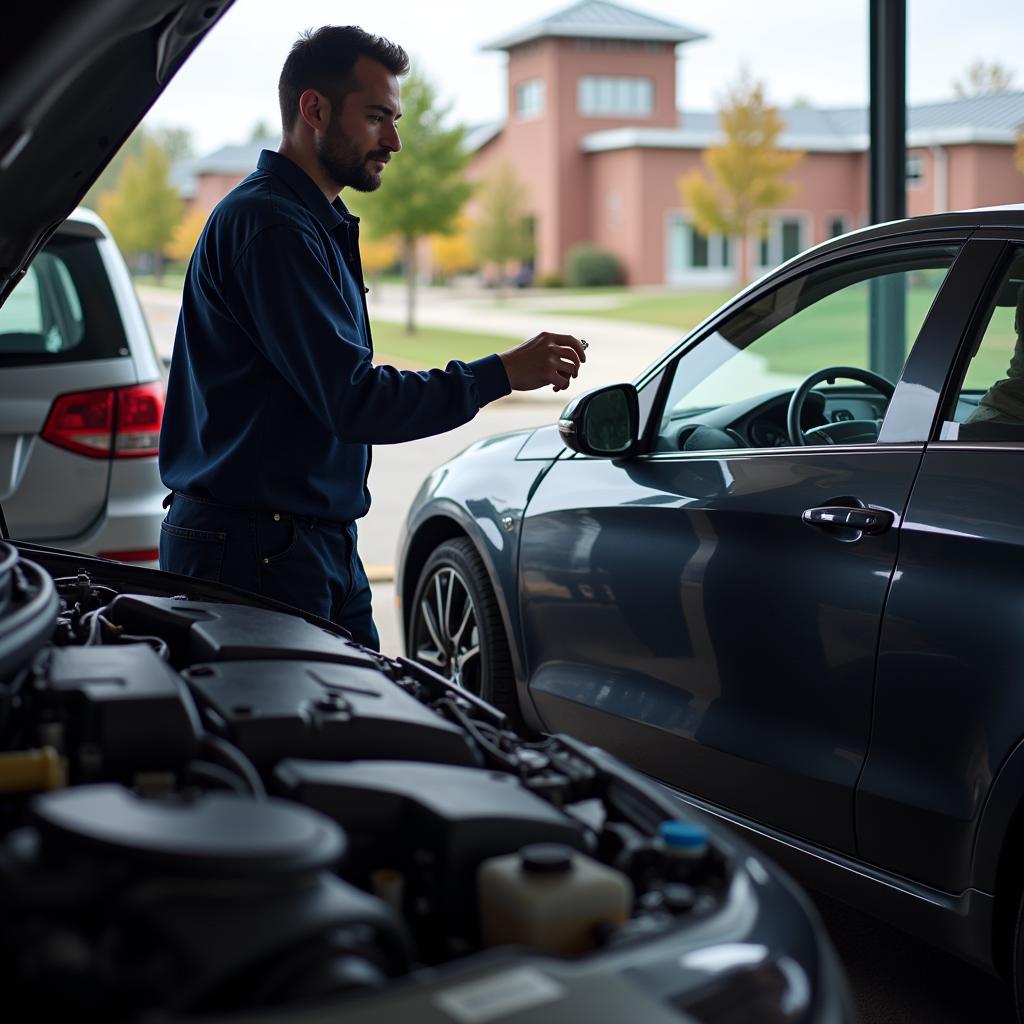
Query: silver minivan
x,y
81,400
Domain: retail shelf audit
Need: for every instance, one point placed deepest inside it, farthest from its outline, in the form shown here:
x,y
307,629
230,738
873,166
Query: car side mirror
x,y
604,422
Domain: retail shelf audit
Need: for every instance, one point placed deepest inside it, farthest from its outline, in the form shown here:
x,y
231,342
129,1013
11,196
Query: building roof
x,y
978,119
598,19
236,158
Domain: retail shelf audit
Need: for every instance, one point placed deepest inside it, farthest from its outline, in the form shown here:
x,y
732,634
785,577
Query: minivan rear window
x,y
63,309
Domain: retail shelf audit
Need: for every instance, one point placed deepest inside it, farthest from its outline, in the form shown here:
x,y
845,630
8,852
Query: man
x,y
1003,403
273,400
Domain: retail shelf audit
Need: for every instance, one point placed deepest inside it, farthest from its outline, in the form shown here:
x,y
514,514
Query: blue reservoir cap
x,y
682,835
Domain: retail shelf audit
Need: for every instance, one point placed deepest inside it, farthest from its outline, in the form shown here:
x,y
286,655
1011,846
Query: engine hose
x,y
229,756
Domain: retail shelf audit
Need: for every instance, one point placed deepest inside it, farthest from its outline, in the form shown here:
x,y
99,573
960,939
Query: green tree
x,y
175,142
144,208
745,173
424,186
983,79
503,232
260,130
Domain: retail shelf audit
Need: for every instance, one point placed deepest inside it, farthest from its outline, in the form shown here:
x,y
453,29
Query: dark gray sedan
x,y
782,573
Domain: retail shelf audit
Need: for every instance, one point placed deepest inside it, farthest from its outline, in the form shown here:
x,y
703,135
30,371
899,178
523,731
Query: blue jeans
x,y
307,563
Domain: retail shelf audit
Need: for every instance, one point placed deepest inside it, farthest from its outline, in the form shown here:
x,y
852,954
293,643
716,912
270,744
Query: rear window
x,y
63,309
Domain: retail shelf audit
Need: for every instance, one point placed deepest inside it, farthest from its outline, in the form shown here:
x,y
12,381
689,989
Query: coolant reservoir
x,y
550,897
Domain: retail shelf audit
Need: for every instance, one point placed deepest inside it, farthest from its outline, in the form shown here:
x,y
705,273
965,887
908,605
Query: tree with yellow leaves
x,y
144,207
185,236
1020,151
745,173
454,253
377,255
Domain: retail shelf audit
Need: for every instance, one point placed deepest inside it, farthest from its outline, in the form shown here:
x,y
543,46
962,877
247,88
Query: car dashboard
x,y
760,421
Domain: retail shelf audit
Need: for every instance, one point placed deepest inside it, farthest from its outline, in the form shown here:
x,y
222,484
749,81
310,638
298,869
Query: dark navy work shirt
x,y
272,399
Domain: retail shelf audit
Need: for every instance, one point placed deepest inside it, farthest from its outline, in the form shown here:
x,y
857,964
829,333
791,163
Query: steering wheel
x,y
842,431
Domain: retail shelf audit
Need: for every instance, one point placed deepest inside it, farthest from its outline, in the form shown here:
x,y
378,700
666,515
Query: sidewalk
x,y
618,350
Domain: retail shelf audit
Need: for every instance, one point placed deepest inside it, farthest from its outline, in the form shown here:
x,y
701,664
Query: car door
x,y
949,704
679,610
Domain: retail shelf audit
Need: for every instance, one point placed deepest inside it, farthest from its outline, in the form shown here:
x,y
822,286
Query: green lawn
x,y
834,331
431,346
172,278
681,310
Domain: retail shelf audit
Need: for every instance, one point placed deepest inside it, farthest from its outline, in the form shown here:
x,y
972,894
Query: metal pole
x,y
888,158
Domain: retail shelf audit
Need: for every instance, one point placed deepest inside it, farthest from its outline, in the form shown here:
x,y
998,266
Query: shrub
x,y
590,267
552,279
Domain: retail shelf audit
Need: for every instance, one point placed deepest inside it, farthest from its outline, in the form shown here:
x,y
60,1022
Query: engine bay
x,y
211,807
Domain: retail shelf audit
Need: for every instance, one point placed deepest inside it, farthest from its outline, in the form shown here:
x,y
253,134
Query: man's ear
x,y
315,109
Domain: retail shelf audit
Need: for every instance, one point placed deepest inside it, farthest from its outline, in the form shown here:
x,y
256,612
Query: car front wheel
x,y
455,626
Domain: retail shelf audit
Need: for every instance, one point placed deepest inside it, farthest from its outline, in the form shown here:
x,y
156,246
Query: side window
x,y
738,380
63,309
990,402
44,312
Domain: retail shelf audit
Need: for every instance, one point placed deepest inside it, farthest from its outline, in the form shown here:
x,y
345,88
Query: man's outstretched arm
x,y
304,327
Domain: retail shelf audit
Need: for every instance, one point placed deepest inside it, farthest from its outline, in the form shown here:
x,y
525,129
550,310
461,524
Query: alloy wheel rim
x,y
447,635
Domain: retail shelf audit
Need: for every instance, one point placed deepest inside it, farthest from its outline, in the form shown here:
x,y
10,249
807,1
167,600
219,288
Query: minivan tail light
x,y
122,423
139,412
83,423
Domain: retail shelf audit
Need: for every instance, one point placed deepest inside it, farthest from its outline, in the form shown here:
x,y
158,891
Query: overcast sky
x,y
810,49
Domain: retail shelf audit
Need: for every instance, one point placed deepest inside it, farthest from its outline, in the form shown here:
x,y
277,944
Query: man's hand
x,y
545,359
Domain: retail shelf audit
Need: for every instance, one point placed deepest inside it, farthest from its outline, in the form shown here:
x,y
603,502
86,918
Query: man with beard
x,y
273,400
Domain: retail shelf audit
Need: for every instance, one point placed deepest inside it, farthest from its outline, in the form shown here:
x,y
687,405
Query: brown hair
x,y
323,59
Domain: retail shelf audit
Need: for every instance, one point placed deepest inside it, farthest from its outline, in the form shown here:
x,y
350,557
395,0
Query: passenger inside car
x,y
1003,403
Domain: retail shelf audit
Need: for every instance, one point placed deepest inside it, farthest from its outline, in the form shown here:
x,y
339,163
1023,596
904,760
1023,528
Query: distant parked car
x,y
81,399
779,582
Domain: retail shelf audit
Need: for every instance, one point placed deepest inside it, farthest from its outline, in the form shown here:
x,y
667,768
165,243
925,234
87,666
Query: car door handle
x,y
840,517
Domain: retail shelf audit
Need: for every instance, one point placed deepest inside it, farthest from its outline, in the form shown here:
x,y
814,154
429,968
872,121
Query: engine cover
x,y
204,631
276,709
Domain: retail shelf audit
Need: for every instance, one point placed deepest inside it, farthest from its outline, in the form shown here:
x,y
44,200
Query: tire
x,y
1016,969
454,613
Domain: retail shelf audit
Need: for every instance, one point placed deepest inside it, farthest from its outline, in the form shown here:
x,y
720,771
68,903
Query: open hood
x,y
75,80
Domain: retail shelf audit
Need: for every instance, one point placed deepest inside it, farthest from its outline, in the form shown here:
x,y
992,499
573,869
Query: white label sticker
x,y
499,995
949,431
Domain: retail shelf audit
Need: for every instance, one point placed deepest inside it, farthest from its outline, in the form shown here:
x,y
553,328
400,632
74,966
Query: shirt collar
x,y
331,215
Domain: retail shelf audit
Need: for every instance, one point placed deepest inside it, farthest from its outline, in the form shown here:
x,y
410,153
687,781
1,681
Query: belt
x,y
312,521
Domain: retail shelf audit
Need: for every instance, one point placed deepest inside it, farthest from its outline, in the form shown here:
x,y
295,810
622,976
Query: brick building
x,y
596,133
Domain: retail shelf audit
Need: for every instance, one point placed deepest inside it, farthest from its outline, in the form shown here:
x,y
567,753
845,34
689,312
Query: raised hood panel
x,y
75,80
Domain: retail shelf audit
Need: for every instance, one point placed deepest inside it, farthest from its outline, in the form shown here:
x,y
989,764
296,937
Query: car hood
x,y
75,80
537,444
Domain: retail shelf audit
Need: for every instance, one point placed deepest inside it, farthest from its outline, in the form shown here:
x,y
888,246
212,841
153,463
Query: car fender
x,y
449,504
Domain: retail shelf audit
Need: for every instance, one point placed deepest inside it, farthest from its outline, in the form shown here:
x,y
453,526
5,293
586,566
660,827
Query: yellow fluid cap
x,y
31,771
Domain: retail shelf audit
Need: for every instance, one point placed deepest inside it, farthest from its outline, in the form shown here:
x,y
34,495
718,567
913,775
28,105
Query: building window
x,y
530,99
837,225
615,96
915,171
784,240
792,239
694,257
